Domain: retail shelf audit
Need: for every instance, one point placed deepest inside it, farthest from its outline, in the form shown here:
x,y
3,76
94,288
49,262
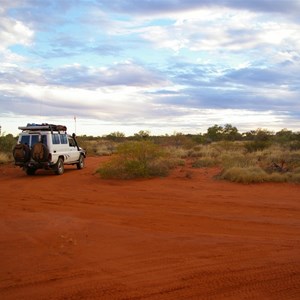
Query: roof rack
x,y
43,127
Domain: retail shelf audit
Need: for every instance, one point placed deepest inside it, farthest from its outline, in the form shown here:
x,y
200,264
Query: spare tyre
x,y
21,153
40,152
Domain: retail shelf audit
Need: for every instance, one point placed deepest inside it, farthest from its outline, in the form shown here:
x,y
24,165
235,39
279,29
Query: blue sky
x,y
164,66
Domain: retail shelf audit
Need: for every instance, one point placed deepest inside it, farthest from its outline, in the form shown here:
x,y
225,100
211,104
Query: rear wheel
x,y
59,167
30,171
80,164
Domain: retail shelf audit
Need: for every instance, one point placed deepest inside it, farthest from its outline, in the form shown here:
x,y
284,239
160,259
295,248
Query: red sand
x,y
186,236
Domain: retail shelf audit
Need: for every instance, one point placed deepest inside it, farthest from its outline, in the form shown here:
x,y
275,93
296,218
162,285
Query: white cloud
x,y
238,63
222,30
14,32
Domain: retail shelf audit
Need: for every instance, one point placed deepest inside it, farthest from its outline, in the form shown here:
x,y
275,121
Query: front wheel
x,y
59,167
80,164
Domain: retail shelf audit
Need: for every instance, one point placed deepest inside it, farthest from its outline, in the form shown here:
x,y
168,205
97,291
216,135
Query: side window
x,y
63,139
25,139
55,138
71,142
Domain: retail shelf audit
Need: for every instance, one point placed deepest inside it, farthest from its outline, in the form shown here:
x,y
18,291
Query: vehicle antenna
x,y
75,124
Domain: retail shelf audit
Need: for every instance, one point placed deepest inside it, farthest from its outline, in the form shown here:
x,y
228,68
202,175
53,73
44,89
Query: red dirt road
x,y
187,236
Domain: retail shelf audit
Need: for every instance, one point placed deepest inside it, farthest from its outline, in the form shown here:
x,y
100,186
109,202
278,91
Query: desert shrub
x,y
97,147
198,151
256,145
295,178
205,151
137,160
176,152
104,148
276,177
179,140
5,158
234,159
257,175
7,143
295,145
293,160
244,175
205,162
285,177
229,146
296,170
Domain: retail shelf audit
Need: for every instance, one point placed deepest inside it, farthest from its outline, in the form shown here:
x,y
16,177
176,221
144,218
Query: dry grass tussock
x,y
256,175
5,158
273,164
99,147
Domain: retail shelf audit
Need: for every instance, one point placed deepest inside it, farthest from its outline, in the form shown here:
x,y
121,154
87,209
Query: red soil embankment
x,y
186,236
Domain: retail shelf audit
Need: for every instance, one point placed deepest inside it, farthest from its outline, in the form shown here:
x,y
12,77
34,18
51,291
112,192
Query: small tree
x,y
142,135
230,133
284,136
214,133
261,140
116,136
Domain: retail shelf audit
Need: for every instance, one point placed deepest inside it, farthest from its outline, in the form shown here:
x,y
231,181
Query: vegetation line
x,y
255,156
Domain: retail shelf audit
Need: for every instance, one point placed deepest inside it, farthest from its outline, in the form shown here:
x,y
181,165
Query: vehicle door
x,y
74,153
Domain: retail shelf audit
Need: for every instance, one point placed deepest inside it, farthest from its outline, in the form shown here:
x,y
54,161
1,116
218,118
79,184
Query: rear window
x,y
44,139
25,139
32,139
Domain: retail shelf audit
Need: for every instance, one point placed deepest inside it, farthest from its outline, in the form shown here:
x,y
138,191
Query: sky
x,y
163,66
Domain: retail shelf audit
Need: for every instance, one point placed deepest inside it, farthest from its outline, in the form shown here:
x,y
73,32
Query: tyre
x,y
30,171
21,153
40,152
80,164
59,167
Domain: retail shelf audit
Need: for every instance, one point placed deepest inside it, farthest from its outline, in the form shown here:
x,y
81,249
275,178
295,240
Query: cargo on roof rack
x,y
43,127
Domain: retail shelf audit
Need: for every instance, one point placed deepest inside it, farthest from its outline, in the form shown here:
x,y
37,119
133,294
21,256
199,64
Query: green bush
x,y
7,143
139,159
257,145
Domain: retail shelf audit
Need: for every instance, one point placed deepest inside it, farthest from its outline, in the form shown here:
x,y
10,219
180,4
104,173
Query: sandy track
x,y
187,236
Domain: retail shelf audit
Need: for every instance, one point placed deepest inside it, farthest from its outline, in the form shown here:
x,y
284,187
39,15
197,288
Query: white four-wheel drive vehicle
x,y
47,146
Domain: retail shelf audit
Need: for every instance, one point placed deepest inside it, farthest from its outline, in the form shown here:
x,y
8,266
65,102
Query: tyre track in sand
x,y
77,236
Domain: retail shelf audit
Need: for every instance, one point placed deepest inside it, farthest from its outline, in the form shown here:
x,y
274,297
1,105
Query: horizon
x,y
166,134
159,66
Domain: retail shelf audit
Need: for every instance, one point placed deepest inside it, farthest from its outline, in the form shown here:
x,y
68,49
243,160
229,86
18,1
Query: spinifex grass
x,y
273,164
